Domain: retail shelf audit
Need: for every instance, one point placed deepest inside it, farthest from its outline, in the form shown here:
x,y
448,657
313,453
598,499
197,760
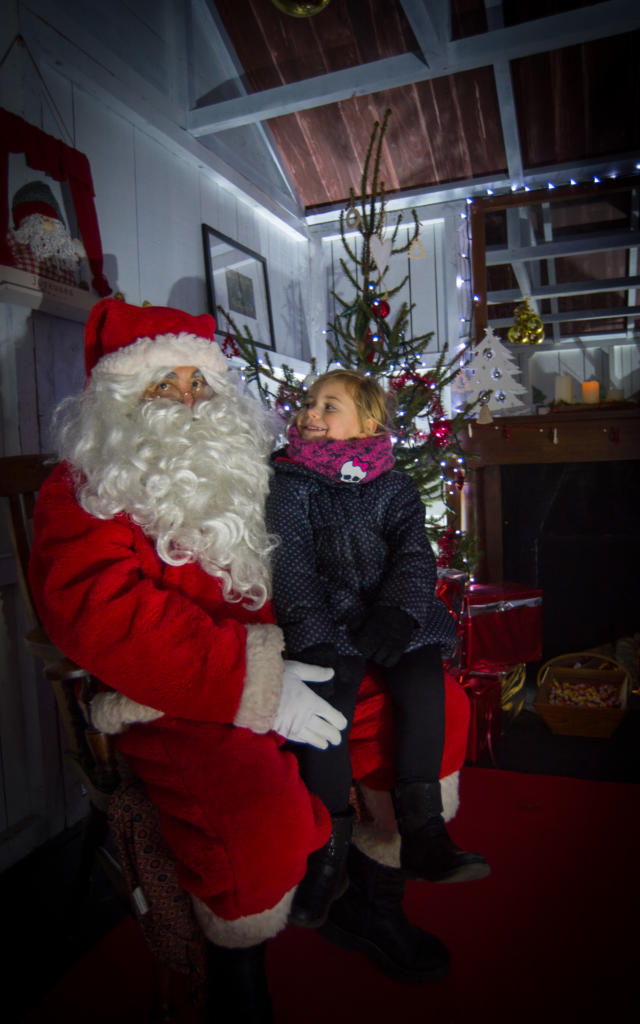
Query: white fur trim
x,y
263,680
383,847
450,792
379,839
245,931
113,712
165,350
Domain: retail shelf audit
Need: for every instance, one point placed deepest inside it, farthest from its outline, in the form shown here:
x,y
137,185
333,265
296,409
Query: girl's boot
x,y
426,850
326,877
369,918
237,985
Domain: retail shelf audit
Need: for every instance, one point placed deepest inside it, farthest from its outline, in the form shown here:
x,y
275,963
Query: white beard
x,y
193,480
55,244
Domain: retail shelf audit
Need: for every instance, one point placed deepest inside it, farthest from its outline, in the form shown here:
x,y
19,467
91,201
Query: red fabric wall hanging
x,y
45,153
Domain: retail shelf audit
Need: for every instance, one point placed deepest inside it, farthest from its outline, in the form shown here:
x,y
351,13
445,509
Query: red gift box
x,y
502,625
485,724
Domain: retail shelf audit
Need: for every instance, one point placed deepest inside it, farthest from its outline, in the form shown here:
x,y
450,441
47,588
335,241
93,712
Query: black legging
x,y
416,687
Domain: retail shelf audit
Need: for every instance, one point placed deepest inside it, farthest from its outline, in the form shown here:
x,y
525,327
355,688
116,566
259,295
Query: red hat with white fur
x,y
123,339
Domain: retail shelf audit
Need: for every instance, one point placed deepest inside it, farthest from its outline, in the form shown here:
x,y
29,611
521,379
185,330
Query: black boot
x,y
370,918
237,985
326,877
426,850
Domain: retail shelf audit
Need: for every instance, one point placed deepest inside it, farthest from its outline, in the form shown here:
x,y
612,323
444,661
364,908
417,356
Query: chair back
x,y
21,477
90,751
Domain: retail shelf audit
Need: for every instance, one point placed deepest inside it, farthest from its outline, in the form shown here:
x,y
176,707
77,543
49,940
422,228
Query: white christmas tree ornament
x,y
491,368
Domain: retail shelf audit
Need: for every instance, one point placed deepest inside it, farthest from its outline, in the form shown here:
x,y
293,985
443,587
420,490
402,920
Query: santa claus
x,y
150,568
41,243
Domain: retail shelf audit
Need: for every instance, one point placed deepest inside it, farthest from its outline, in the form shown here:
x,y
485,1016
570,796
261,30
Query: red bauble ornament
x,y
383,308
441,432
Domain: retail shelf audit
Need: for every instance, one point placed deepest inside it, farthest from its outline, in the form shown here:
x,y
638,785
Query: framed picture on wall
x,y
237,282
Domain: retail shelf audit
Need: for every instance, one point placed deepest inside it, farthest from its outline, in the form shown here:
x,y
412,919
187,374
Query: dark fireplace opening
x,y
573,530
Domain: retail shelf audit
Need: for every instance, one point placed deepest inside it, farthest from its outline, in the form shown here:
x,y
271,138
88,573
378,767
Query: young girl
x,y
354,580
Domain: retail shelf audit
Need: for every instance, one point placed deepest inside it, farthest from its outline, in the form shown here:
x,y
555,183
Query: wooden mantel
x,y
570,434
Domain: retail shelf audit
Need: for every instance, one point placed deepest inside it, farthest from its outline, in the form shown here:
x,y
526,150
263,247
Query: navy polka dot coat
x,y
345,548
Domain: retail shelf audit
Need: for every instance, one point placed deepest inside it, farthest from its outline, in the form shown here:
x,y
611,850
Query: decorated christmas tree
x,y
368,334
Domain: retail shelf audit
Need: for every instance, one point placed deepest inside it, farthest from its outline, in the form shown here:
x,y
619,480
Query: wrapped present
x,y
502,626
485,725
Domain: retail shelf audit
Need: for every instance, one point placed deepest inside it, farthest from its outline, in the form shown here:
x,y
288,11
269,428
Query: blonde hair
x,y
370,399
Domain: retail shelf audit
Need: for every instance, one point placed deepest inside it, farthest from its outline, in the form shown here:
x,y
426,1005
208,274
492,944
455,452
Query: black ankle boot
x,y
237,985
326,876
426,850
370,918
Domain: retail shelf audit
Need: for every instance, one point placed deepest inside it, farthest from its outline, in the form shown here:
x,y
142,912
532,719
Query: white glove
x,y
302,716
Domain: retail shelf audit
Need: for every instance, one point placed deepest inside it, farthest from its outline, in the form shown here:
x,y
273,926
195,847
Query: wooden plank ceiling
x,y
484,96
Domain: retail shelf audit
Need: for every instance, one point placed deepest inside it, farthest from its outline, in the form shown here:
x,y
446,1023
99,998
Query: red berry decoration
x,y
447,546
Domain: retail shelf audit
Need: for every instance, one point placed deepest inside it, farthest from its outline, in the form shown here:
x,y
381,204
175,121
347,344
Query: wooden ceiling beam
x,y
577,246
506,99
612,17
611,313
431,25
554,291
228,63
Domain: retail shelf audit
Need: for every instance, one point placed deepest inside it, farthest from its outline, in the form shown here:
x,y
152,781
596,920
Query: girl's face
x,y
330,414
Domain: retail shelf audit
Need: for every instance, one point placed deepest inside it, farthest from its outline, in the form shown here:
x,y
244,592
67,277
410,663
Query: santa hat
x,y
123,339
35,197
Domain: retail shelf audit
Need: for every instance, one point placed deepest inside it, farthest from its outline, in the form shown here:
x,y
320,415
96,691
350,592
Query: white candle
x,y
615,395
564,388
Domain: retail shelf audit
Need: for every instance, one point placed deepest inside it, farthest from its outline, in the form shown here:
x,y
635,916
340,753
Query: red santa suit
x,y
196,681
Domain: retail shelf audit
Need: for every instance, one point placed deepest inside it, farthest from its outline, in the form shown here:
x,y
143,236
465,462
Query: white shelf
x,y
54,297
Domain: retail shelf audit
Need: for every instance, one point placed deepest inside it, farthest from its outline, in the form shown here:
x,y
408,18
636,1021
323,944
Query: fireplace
x,y
555,502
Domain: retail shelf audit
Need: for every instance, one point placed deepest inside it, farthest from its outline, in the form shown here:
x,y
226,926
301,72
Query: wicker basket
x,y
571,671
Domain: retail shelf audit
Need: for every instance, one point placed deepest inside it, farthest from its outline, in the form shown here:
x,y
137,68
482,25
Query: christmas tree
x,y
368,335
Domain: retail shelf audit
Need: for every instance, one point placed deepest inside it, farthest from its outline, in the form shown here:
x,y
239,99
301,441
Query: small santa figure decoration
x,y
40,242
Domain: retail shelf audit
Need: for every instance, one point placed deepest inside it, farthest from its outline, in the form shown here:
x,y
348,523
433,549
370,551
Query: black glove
x,y
319,654
384,635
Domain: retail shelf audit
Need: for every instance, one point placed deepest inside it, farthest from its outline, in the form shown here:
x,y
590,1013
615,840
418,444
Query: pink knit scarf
x,y
355,461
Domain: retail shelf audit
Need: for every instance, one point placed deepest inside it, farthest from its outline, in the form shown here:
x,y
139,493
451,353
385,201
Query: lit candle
x,y
590,392
564,388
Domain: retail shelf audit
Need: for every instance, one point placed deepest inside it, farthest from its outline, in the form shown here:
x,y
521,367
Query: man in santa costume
x,y
150,569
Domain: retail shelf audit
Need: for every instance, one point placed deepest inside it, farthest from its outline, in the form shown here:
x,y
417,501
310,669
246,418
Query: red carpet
x,y
551,936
